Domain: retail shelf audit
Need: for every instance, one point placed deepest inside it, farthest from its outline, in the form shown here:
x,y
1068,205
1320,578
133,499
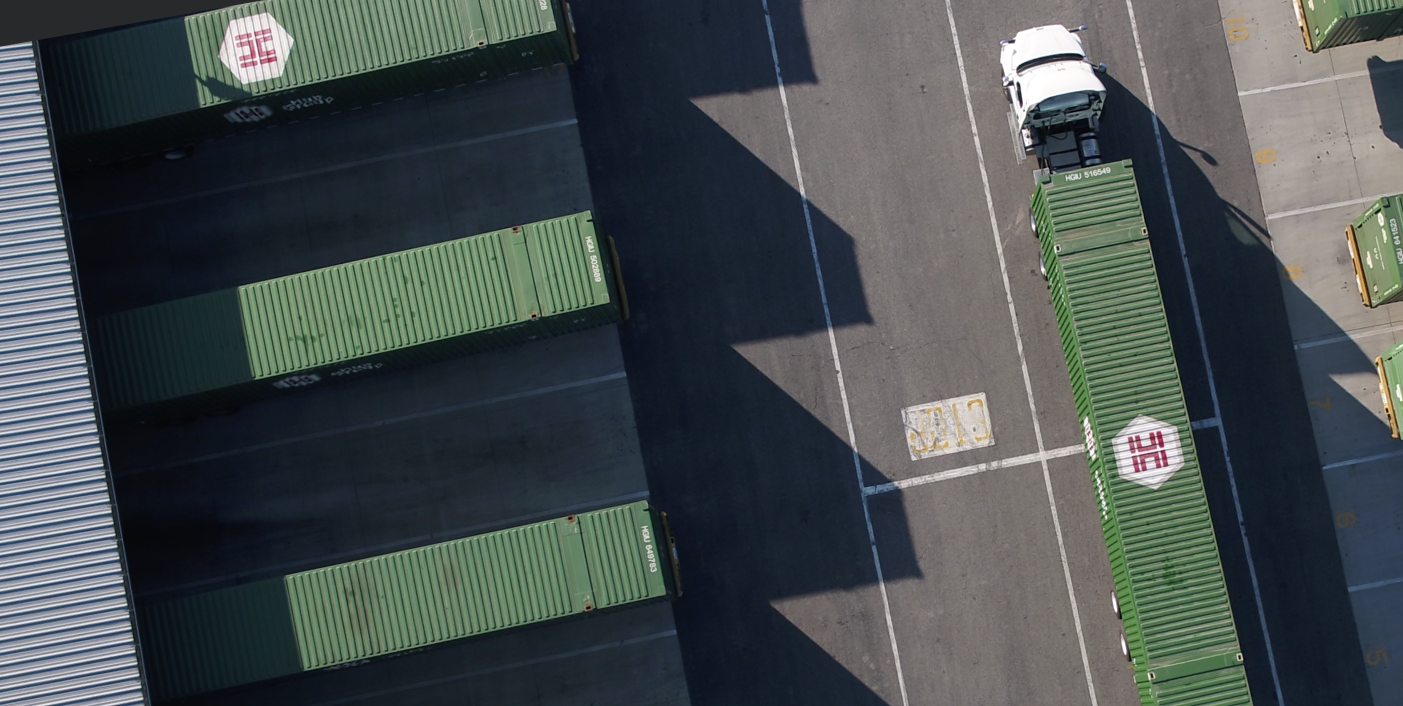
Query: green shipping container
x,y
1332,23
1376,247
173,83
409,600
1390,367
220,350
1169,585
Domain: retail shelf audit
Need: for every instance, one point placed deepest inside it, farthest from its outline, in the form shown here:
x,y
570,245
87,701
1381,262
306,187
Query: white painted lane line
x,y
1205,424
1203,349
377,695
376,424
1376,584
1357,461
1351,336
431,538
327,170
1022,357
833,347
974,469
1324,207
1303,84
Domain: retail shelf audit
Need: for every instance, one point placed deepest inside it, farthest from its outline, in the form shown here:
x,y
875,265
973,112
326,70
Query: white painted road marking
x,y
377,695
1376,584
1314,82
1353,335
1203,349
1205,424
947,426
974,469
833,347
1357,461
327,170
1022,357
1325,207
377,424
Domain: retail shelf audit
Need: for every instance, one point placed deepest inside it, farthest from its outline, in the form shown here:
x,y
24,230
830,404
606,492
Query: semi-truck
x,y
1169,590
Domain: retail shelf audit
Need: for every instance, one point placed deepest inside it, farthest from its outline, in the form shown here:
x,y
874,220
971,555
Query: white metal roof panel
x,y
66,633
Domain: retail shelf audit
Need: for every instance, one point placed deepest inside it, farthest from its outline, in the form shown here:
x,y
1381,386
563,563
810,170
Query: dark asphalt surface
x,y
740,419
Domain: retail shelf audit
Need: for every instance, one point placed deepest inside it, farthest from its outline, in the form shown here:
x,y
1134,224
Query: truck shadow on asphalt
x,y
1387,79
782,604
1265,416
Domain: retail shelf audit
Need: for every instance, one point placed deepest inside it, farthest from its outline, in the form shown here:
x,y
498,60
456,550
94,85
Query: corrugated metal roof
x,y
65,621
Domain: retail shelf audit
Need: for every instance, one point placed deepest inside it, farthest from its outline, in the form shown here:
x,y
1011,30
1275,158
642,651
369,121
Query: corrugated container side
x,y
1333,23
366,308
142,90
169,351
1120,358
1376,246
573,274
1222,687
626,555
217,640
420,597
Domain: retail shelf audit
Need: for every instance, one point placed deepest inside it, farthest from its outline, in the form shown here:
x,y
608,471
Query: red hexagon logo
x,y
255,48
1148,452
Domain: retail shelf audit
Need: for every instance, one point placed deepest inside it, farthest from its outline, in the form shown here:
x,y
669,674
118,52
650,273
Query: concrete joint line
x,y
1376,584
833,348
1357,461
1203,349
1022,356
379,423
1352,335
973,470
1324,207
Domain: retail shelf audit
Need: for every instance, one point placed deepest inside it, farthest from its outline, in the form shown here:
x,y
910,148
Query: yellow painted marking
x,y
1345,520
1376,658
981,414
1237,29
1323,405
947,426
1291,273
1266,156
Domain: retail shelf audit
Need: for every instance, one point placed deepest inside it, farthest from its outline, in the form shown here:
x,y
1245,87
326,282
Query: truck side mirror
x,y
1008,81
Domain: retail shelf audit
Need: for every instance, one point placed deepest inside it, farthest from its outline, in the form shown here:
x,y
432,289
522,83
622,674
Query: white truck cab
x,y
1055,96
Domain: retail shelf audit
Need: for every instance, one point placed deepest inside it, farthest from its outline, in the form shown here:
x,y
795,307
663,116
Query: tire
x,y
1042,267
1124,646
1033,223
1115,603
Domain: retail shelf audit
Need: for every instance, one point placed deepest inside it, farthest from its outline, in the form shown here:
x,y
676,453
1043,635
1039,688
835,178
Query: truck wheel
x,y
1042,267
1115,603
1124,646
1033,223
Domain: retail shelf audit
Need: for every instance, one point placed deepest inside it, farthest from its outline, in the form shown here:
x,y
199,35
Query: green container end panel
x,y
1333,23
1376,247
179,350
216,640
1390,369
627,555
1125,381
428,304
167,84
1220,687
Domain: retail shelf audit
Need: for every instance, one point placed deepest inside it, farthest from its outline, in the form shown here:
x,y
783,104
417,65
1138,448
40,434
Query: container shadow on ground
x,y
1387,79
1265,416
713,244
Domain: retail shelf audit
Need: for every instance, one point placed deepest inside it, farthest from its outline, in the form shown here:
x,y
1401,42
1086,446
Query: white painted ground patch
x,y
948,426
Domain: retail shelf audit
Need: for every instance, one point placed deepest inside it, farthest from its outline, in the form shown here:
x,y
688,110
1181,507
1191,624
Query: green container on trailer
x,y
1332,23
409,600
220,350
1390,367
168,84
1169,582
1376,247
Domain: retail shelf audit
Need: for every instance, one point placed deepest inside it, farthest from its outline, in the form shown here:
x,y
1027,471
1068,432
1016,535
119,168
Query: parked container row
x,y
1376,247
164,85
220,350
1170,592
409,600
1332,23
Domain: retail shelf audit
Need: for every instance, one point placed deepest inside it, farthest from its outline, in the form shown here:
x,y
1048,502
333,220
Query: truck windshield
x,y
1043,61
1066,103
